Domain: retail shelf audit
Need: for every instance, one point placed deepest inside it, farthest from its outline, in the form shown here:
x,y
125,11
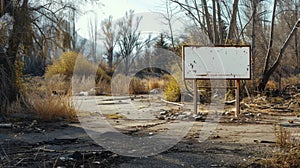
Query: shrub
x,y
172,90
46,106
65,66
290,81
154,83
271,85
51,108
138,86
287,151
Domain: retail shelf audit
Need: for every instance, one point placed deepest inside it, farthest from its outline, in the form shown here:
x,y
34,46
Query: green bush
x,y
172,91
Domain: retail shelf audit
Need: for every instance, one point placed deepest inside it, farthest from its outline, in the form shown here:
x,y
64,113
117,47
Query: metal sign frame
x,y
217,62
216,59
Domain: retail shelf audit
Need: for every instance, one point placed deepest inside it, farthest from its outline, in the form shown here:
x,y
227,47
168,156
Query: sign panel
x,y
221,62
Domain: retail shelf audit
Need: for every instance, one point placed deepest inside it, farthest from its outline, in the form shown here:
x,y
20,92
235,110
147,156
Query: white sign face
x,y
224,62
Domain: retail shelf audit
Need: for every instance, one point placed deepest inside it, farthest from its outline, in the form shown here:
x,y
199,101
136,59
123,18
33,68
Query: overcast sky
x,y
148,9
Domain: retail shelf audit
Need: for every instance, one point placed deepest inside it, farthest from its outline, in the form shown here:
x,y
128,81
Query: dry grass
x,y
54,108
82,84
136,85
154,83
115,116
287,152
50,107
271,85
290,81
283,137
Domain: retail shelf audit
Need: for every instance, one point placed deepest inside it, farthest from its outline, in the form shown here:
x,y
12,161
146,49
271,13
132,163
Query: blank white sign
x,y
224,62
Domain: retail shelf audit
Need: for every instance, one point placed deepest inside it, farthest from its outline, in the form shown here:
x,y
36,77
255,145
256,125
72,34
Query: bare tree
x,y
33,22
201,18
9,90
232,25
93,34
269,70
169,17
220,23
129,37
111,38
207,18
212,24
253,35
214,21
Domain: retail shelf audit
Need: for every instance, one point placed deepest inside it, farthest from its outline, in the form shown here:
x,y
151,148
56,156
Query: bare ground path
x,y
233,143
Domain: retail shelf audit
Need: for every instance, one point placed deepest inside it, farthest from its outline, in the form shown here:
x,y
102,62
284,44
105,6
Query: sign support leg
x,y
237,97
195,96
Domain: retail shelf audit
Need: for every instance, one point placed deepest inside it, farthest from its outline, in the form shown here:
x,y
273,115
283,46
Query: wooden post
x,y
237,97
195,97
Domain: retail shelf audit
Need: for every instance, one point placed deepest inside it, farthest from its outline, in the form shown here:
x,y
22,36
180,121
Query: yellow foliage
x,y
68,60
172,90
271,85
115,116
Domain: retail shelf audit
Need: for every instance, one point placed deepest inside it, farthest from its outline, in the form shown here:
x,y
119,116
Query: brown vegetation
x,y
287,151
46,104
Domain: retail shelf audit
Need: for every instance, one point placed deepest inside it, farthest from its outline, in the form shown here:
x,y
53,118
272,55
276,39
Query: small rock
x,y
233,119
77,155
62,158
83,93
216,137
258,115
155,91
249,115
187,113
161,118
191,118
226,113
114,155
181,117
291,121
163,113
6,125
96,162
199,118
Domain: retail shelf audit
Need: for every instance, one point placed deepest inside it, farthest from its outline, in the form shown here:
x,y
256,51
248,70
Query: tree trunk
x,y
296,42
268,73
267,59
232,25
110,57
220,23
254,5
216,37
207,19
9,89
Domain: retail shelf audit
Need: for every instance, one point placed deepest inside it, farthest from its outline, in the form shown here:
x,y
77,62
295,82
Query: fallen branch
x,y
9,125
178,104
263,141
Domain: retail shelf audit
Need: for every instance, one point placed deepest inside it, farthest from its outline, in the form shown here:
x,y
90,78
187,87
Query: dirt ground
x,y
232,142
